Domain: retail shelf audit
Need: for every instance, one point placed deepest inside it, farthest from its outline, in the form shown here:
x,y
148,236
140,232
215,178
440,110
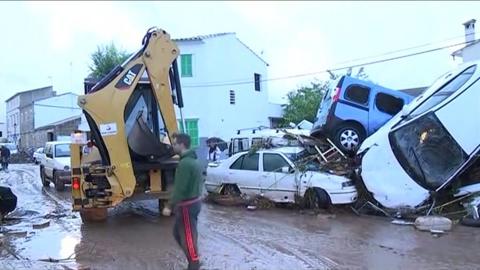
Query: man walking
x,y
5,154
186,199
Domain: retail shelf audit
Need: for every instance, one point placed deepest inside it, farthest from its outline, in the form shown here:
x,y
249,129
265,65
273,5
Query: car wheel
x,y
45,182
349,137
59,184
316,198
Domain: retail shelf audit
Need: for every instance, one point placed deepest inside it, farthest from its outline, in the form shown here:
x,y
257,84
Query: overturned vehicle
x,y
427,155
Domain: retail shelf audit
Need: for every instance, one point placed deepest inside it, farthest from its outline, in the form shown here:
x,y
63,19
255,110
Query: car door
x,y
276,184
48,165
384,107
244,172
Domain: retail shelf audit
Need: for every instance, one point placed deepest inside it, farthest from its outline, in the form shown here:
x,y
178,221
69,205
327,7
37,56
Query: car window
x,y
446,91
257,142
388,104
358,94
274,163
237,165
62,150
250,162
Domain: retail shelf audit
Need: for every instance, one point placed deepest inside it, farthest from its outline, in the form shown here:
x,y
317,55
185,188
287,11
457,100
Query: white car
x,y
274,175
55,166
428,145
38,155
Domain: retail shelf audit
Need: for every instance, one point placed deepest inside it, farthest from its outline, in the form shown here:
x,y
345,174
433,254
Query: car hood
x,y
323,179
65,161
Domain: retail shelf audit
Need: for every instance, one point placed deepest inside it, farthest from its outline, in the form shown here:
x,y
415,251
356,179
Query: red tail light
x,y
76,183
336,94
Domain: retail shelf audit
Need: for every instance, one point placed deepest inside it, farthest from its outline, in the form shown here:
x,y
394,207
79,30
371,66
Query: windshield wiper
x,y
418,163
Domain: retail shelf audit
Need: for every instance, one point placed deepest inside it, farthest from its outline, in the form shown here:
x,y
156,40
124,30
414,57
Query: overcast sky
x,y
50,43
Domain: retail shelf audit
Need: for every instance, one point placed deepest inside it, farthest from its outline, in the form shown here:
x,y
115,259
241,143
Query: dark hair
x,y
183,138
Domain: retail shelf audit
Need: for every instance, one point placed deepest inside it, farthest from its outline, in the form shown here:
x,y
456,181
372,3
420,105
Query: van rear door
x,y
326,104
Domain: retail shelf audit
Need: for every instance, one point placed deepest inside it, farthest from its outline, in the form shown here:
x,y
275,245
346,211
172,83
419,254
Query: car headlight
x,y
348,184
66,168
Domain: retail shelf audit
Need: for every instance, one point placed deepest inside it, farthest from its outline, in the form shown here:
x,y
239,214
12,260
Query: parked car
x,y
354,110
245,139
12,147
55,167
274,174
38,155
426,147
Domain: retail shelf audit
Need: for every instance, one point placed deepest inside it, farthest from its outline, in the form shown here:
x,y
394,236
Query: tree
x,y
304,102
105,58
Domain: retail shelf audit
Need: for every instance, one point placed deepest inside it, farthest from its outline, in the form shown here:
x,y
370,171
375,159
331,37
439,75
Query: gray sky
x,y
45,43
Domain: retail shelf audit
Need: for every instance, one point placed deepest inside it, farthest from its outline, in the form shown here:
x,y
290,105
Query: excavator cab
x,y
131,115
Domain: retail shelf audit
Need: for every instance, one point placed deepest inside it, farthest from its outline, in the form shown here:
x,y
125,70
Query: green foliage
x,y
304,102
105,58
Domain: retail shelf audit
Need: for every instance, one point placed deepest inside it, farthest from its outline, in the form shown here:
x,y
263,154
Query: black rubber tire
x,y
324,201
470,222
355,128
59,184
43,177
321,199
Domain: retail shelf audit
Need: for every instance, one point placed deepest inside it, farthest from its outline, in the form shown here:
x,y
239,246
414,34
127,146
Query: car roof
x,y
284,150
59,142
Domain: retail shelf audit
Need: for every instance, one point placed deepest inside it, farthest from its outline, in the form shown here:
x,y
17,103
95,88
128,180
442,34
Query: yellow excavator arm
x,y
131,115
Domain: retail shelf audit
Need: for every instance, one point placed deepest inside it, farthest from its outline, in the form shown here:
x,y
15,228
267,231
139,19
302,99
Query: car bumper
x,y
346,196
65,176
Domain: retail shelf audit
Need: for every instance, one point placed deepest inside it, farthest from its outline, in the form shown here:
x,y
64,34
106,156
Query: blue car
x,y
354,110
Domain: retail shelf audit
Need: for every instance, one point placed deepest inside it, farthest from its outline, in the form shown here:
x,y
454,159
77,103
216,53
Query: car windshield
x,y
62,150
426,151
302,160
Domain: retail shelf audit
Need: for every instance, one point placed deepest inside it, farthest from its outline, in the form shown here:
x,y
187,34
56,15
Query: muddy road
x,y
137,237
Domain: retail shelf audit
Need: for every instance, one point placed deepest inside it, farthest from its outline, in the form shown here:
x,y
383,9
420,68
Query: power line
x,y
247,81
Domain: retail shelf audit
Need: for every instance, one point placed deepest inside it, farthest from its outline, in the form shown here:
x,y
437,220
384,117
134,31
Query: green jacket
x,y
188,178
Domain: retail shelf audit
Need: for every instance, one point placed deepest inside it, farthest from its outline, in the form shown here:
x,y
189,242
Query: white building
x,y
55,109
471,50
224,88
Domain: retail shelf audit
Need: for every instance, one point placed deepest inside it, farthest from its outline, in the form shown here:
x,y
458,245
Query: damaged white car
x,y
428,145
276,175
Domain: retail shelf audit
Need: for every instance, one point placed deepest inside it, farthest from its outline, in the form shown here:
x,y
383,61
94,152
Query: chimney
x,y
469,31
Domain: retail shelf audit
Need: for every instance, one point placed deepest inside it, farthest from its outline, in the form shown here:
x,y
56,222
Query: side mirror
x,y
286,170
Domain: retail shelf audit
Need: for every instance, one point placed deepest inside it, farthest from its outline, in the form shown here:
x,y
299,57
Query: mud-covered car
x,y
55,166
277,175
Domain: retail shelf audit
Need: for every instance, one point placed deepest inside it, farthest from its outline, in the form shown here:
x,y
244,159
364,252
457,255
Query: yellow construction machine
x,y
131,116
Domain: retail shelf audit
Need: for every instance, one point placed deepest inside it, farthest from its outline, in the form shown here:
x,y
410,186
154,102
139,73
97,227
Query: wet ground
x,y
137,237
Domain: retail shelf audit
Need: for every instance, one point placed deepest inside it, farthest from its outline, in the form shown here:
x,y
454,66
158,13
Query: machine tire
x,y
43,177
90,215
59,184
352,131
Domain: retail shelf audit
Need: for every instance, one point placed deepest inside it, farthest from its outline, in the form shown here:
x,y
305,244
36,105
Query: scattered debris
x,y
41,225
433,223
402,222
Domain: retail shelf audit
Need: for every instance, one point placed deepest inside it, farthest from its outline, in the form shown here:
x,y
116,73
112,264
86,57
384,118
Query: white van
x,y
245,139
427,145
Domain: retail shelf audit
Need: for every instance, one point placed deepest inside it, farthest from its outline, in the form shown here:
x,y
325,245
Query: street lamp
x,y
15,133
